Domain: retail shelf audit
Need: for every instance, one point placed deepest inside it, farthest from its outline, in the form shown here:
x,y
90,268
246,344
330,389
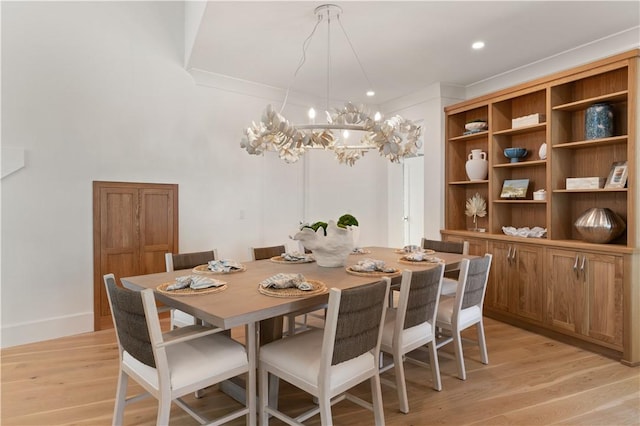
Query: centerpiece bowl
x,y
515,154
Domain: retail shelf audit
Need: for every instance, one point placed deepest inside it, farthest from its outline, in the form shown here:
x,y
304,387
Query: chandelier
x,y
394,138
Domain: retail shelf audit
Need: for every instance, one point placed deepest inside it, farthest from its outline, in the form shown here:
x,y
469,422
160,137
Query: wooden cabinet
x,y
134,225
515,286
584,295
533,281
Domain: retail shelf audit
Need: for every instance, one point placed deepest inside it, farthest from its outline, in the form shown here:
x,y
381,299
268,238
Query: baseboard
x,y
45,329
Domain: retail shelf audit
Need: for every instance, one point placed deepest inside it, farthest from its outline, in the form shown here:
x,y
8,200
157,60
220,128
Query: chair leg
x,y
164,409
484,356
435,365
376,397
263,396
401,385
457,347
324,403
121,395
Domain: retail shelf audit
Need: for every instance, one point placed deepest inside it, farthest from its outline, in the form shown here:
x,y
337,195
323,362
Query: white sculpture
x,y
331,250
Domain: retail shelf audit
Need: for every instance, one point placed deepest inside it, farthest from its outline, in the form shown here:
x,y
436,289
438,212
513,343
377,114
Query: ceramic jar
x,y
598,121
477,166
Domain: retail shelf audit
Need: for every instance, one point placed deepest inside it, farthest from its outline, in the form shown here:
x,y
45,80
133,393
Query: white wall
x,y
97,91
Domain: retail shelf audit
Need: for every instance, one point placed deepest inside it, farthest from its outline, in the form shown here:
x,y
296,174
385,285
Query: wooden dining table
x,y
241,304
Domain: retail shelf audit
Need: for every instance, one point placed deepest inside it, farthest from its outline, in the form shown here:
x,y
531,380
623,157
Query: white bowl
x,y
476,125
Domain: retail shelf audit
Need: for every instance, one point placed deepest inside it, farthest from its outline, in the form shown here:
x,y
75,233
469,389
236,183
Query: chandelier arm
x,y
303,59
355,53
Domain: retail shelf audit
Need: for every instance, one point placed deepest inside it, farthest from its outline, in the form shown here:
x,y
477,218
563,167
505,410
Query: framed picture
x,y
516,188
617,176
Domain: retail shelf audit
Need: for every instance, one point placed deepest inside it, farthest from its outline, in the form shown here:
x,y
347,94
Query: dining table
x,y
242,304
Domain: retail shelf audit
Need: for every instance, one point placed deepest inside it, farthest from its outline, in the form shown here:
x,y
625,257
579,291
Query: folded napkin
x,y
411,248
295,256
223,265
371,265
419,256
196,282
287,281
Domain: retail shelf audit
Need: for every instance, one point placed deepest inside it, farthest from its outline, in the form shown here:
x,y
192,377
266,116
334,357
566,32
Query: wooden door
x,y
134,226
565,291
603,275
528,288
497,297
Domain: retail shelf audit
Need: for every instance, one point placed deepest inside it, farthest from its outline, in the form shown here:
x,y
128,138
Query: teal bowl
x,y
515,154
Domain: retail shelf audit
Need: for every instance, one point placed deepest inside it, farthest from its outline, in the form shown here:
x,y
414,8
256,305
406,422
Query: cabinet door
x,y
565,291
497,296
603,275
527,288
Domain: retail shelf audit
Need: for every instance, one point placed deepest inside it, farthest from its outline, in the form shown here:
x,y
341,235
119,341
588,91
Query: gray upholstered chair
x,y
450,280
326,363
412,325
171,365
260,253
465,310
179,261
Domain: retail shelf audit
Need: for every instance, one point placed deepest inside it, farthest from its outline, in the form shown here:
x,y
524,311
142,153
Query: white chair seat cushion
x,y
194,360
449,287
466,317
299,356
410,337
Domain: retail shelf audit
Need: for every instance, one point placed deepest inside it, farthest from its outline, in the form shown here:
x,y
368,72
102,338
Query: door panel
x,y
529,288
565,295
499,278
604,275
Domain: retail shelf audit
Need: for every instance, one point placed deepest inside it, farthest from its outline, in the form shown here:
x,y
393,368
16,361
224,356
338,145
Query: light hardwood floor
x,y
530,380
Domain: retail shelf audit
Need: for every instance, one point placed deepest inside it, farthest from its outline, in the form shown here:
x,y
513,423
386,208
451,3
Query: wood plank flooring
x,y
530,380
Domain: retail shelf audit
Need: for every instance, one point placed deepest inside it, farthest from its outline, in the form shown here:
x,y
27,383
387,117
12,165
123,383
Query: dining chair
x,y
171,365
412,325
327,363
450,280
179,261
465,310
260,253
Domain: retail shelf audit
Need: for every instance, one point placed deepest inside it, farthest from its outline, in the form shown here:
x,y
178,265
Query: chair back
x,y
419,296
129,319
353,324
178,261
259,253
476,282
446,246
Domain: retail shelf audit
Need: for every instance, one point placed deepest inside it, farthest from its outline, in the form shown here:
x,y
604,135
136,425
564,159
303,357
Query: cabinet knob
x,y
575,265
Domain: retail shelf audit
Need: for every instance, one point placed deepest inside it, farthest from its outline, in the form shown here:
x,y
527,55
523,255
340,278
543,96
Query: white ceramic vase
x,y
331,250
477,166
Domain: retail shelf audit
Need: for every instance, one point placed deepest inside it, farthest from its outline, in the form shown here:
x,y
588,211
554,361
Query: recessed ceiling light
x,y
477,45
370,93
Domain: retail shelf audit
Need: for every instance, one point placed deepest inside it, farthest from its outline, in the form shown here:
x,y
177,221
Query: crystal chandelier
x,y
394,138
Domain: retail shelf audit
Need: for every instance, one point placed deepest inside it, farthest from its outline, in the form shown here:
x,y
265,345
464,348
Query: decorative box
x,y
586,183
527,120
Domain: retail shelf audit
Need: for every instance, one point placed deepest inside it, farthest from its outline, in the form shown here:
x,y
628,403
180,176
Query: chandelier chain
x,y
303,59
355,53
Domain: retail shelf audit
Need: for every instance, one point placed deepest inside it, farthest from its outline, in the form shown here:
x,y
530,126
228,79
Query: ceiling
x,y
403,46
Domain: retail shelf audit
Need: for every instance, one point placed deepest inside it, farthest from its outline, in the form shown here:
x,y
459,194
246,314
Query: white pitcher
x,y
477,166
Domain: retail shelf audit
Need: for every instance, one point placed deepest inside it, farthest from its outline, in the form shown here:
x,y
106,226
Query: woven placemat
x,y
418,262
162,288
204,270
318,287
372,273
425,251
280,259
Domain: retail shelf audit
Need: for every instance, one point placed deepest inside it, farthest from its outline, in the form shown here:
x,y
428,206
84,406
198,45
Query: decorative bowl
x,y
515,154
476,126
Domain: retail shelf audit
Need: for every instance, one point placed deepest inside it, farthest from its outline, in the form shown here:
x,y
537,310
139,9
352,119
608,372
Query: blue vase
x,y
598,121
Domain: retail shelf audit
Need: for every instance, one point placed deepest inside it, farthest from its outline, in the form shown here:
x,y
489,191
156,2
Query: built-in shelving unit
x,y
603,280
